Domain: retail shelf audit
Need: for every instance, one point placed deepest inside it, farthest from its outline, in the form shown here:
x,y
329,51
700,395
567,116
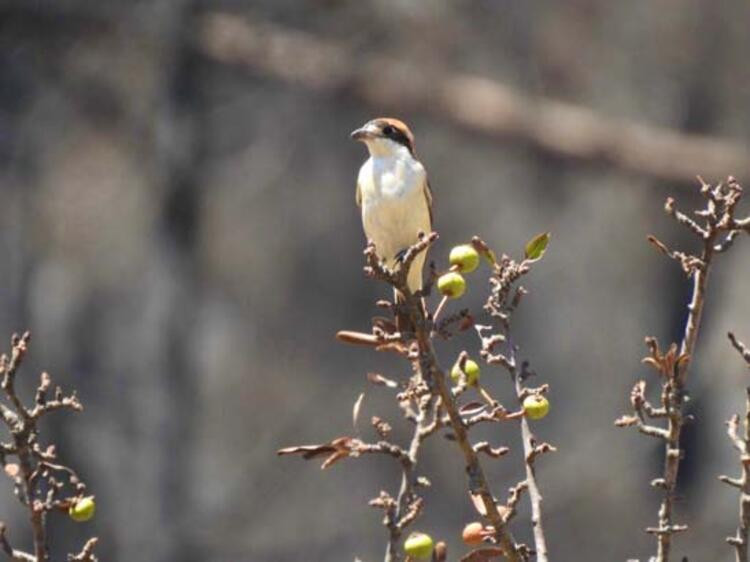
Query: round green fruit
x,y
535,406
465,258
470,368
451,285
83,509
419,546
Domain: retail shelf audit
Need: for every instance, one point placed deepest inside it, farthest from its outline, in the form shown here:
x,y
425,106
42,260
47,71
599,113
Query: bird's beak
x,y
363,133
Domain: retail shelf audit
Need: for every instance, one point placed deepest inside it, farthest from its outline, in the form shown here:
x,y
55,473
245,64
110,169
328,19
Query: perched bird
x,y
393,193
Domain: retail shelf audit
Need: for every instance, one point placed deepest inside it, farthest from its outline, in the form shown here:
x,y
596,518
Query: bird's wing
x,y
358,196
428,196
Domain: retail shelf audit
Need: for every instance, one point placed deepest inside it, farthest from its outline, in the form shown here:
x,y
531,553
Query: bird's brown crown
x,y
396,130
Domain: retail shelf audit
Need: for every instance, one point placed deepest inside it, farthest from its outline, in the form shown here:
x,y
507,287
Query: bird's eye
x,y
388,130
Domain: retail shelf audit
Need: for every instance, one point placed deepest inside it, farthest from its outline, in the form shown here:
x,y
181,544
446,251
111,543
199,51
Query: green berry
x,y
535,406
451,285
465,257
470,368
419,546
83,509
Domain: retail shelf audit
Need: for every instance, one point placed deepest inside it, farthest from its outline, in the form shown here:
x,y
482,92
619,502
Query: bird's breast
x,y
390,178
394,205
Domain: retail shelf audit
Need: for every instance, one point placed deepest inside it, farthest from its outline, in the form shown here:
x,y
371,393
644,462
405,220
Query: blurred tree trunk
x,y
176,160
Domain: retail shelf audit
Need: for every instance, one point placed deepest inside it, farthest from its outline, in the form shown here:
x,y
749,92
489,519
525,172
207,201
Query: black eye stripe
x,y
396,135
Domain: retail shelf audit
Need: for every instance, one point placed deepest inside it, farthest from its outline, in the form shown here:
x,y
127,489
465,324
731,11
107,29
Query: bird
x,y
393,193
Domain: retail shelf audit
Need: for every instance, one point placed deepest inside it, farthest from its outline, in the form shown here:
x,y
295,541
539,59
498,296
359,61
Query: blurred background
x,y
179,233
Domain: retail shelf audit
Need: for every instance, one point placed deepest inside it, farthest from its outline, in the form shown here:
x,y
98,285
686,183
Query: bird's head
x,y
386,136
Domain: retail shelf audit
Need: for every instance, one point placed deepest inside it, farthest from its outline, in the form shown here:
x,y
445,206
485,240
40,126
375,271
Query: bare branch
x,y
717,222
494,452
429,402
40,482
87,552
502,302
740,442
13,554
743,350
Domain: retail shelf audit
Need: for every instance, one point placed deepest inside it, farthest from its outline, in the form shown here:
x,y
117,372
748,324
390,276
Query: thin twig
x,y
740,540
741,348
535,495
38,480
13,554
501,304
426,362
400,516
87,552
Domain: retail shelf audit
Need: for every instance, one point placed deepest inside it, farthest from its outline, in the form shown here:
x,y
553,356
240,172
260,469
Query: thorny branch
x,y
740,540
425,362
40,483
421,352
408,504
741,348
504,298
403,510
419,404
716,229
430,403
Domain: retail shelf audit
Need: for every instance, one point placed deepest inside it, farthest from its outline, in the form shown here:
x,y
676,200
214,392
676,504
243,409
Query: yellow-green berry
x,y
470,368
535,406
419,546
83,509
465,258
451,285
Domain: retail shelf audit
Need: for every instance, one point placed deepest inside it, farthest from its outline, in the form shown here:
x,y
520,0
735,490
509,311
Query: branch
x,y
531,450
716,229
87,552
501,304
740,540
13,554
39,482
721,202
425,362
741,348
408,504
472,102
429,402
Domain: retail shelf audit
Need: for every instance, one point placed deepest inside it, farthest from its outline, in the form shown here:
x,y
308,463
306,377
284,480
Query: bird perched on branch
x,y
393,193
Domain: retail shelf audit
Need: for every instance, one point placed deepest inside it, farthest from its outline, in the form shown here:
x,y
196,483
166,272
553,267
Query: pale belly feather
x,y
394,208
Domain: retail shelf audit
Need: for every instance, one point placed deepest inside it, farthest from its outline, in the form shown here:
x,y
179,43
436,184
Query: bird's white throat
x,y
384,147
391,176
